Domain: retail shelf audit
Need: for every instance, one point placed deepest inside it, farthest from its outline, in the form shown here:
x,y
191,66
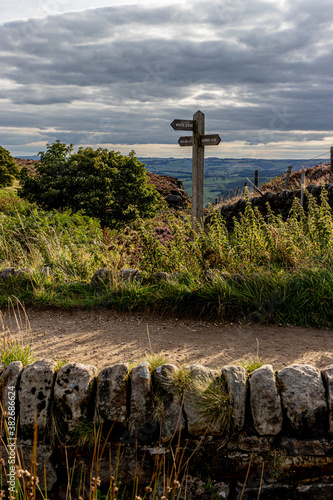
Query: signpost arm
x,y
198,159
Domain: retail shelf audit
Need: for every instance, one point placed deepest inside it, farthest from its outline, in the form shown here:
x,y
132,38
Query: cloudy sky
x,y
117,74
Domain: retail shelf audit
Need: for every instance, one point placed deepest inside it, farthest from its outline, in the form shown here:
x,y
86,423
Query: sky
x,y
116,75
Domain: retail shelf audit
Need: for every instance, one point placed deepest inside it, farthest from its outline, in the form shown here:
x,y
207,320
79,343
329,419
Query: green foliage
x,y
8,168
252,364
104,184
12,350
266,270
47,186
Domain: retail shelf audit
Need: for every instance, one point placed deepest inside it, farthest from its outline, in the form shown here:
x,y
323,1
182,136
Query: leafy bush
x,y
8,168
102,183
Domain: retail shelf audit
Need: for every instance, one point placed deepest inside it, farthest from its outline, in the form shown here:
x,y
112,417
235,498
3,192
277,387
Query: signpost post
x,y
198,141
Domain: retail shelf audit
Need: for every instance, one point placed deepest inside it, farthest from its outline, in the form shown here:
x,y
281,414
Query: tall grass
x,y
264,270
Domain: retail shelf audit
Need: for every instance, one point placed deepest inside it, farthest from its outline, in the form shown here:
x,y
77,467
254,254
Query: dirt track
x,y
104,337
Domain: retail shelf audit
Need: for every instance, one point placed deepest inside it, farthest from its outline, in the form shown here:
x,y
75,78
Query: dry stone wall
x,y
282,419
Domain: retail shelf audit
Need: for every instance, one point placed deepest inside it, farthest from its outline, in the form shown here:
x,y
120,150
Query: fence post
x,y
254,187
331,166
237,191
256,178
223,198
286,181
230,194
302,187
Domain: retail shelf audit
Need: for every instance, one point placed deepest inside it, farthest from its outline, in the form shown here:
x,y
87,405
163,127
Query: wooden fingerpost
x,y
198,141
198,167
331,166
256,178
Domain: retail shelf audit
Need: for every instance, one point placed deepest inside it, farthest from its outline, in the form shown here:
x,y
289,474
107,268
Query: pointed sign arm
x,y
185,141
210,140
182,124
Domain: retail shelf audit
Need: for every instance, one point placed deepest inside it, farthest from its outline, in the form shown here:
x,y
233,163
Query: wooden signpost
x,y
198,141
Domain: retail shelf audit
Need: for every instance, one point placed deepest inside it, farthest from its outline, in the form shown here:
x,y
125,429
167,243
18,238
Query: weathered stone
x,y
9,380
265,402
172,420
174,200
34,394
22,272
235,377
296,447
210,275
46,271
130,274
73,392
327,374
249,444
7,273
175,276
102,276
157,277
267,492
139,421
112,394
314,491
44,456
196,423
197,489
303,398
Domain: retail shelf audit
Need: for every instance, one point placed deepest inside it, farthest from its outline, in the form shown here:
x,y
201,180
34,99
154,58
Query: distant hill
x,y
224,174
32,157
221,174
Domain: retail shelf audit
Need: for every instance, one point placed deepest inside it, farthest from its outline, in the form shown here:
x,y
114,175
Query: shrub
x,y
8,168
102,183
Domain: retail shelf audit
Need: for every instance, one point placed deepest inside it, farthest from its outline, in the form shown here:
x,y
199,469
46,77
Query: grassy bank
x,y
266,270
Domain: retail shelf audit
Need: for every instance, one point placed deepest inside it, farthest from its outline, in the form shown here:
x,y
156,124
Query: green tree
x,y
105,184
46,187
8,168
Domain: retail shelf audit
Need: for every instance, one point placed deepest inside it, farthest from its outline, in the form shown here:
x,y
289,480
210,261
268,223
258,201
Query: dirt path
x,y
104,337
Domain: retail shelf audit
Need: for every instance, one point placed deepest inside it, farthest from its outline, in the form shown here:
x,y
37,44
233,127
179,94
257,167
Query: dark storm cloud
x,y
260,70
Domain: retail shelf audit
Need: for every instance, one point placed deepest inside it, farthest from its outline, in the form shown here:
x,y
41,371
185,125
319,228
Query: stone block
x,y
140,421
303,398
73,394
9,378
34,394
327,374
265,402
172,420
235,377
197,423
111,398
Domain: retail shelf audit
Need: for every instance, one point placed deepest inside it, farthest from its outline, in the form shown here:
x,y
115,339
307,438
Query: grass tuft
x,y
213,400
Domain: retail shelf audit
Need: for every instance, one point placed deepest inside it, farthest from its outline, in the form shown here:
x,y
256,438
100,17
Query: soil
x,y
104,337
